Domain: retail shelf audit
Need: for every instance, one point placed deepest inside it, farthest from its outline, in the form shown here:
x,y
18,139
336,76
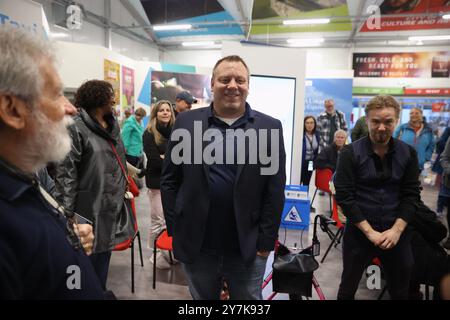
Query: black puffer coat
x,y
90,180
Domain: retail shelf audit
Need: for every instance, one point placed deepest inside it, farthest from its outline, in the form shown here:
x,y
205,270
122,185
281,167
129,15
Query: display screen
x,y
275,96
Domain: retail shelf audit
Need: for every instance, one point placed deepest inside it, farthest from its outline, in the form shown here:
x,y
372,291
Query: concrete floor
x,y
171,284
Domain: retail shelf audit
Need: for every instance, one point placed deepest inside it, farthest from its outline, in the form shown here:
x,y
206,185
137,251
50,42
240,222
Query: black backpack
x,y
425,222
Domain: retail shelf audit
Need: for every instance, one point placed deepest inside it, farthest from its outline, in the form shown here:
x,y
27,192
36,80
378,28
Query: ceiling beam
x,y
137,16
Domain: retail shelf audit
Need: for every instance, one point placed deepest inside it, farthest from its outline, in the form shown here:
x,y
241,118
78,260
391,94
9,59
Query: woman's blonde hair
x,y
151,126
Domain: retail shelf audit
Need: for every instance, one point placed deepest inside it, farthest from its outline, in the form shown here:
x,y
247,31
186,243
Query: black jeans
x,y
358,252
100,261
306,175
134,161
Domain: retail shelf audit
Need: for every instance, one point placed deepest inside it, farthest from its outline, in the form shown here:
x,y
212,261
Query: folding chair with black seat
x,y
336,236
323,177
130,244
162,242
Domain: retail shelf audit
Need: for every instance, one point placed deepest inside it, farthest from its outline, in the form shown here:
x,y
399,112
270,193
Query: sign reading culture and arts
x,y
402,65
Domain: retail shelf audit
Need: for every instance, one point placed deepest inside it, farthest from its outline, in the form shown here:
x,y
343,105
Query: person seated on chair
x,y
377,186
327,158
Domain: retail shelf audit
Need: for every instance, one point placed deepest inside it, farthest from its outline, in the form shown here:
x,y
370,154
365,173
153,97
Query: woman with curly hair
x,y
155,139
90,180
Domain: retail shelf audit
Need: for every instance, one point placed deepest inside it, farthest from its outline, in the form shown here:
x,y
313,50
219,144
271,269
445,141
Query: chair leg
x,y
331,208
331,244
314,196
132,266
170,257
138,234
338,241
154,266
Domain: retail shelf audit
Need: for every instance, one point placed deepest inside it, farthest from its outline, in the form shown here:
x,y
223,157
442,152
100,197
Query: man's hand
x,y
392,235
390,238
263,254
375,237
86,235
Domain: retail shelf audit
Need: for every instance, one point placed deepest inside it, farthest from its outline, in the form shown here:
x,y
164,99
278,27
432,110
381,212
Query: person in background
x,y
360,130
437,168
327,158
155,139
377,187
328,122
90,180
445,187
127,114
311,141
132,132
184,101
38,244
417,134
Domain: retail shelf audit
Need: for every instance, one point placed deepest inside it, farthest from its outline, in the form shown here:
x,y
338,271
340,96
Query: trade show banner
x,y
24,14
166,86
127,88
112,75
268,10
421,20
402,65
318,90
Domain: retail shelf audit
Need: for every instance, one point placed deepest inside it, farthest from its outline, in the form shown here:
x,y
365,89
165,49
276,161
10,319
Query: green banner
x,y
275,11
373,90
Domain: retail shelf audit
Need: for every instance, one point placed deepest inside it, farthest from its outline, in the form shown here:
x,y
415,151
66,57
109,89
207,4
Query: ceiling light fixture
x,y
425,38
168,27
197,43
306,21
305,40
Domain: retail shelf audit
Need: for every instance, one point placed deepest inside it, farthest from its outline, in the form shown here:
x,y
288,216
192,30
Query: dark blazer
x,y
316,152
258,199
327,158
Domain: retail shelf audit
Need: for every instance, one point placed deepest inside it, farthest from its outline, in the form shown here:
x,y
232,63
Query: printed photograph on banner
x,y
166,86
426,16
127,89
112,75
299,9
402,65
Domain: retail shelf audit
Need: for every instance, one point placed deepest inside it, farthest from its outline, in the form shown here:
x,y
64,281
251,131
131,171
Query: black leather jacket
x,y
90,181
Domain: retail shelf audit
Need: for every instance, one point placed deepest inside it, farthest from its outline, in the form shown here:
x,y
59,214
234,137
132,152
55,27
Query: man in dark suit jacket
x,y
223,199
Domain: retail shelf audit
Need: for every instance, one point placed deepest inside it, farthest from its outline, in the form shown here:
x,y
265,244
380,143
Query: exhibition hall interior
x,y
303,57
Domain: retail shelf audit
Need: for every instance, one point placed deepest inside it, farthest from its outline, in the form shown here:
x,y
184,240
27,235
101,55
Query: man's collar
x,y
370,145
249,113
13,182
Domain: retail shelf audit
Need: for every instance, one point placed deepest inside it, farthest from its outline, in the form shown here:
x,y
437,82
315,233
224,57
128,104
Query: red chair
x,y
130,244
335,237
323,177
163,242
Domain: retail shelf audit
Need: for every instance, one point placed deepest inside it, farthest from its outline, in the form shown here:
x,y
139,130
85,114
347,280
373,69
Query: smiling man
x,y
377,187
224,215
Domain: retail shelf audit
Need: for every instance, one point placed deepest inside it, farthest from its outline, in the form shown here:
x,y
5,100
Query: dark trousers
x,y
448,212
100,261
358,252
306,175
134,161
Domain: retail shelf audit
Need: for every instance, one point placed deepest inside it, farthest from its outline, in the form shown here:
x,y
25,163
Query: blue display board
x,y
296,208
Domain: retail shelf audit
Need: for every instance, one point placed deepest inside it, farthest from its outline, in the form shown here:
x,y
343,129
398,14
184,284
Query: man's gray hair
x,y
20,57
